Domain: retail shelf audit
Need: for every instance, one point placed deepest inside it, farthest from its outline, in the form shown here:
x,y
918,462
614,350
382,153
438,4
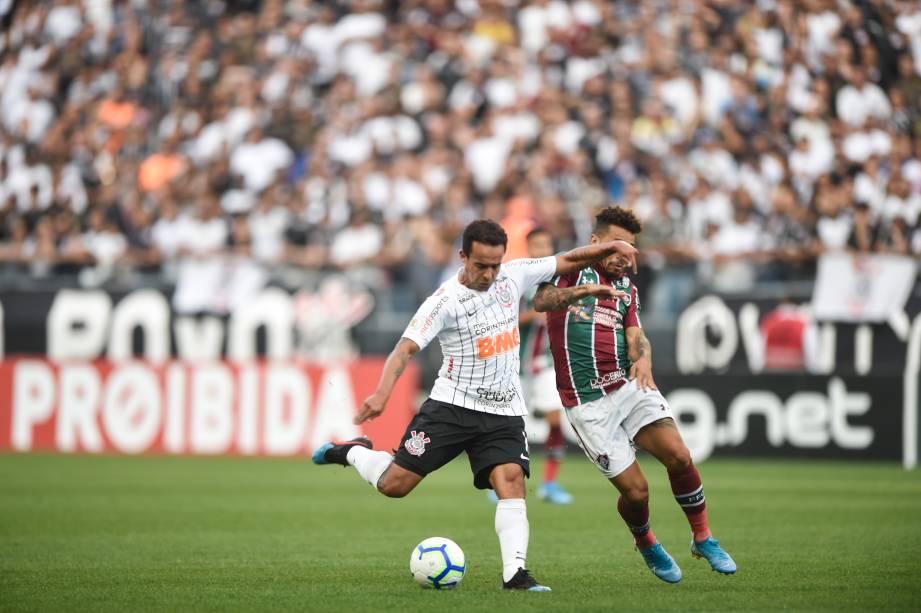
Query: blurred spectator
x,y
860,100
518,222
259,159
204,237
267,226
102,240
160,168
358,243
735,247
789,338
864,230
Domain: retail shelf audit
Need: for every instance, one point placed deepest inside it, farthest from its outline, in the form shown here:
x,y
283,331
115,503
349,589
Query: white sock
x,y
513,531
369,464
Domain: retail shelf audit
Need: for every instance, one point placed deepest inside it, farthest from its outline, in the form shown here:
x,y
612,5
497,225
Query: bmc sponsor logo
x,y
503,342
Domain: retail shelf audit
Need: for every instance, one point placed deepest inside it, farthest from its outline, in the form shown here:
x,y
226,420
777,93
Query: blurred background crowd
x,y
220,144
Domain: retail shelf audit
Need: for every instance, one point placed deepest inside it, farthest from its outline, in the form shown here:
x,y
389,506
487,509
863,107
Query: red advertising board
x,y
261,408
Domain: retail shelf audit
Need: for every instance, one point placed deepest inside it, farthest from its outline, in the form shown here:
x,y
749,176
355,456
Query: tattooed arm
x,y
640,352
552,298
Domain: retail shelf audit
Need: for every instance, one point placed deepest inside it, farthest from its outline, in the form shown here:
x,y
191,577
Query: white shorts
x,y
606,427
543,395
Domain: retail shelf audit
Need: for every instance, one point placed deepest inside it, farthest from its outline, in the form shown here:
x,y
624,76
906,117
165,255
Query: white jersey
x,y
479,337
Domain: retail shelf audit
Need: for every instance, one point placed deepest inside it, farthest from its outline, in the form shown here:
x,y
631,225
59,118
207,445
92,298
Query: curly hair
x,y
617,216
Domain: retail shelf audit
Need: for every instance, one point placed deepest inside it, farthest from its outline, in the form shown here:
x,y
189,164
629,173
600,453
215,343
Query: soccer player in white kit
x,y
476,404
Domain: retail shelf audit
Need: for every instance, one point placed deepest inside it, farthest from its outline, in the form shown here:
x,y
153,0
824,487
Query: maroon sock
x,y
689,493
637,520
556,449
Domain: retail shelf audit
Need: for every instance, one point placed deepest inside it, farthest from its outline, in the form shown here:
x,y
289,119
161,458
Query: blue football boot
x,y
710,550
661,564
553,492
335,452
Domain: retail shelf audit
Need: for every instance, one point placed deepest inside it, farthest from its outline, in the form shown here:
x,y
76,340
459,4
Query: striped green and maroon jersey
x,y
588,340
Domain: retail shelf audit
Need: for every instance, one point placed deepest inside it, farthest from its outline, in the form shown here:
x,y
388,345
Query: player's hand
x,y
370,408
641,372
626,249
599,290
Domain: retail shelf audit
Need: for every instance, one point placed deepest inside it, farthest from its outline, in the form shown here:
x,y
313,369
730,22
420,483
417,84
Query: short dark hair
x,y
537,231
484,231
617,216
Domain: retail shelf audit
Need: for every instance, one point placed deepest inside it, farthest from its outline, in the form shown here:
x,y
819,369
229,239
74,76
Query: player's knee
x,y
634,491
637,494
679,459
507,480
392,489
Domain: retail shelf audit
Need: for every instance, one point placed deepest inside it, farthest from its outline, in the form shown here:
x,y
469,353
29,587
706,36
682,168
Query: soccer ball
x,y
438,562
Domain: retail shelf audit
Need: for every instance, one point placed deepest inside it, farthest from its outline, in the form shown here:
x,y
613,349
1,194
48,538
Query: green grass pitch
x,y
84,533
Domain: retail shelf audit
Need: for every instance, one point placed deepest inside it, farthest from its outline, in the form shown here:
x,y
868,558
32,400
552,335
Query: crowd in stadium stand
x,y
748,136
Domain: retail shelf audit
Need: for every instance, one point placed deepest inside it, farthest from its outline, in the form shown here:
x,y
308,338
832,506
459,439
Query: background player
x,y
476,404
603,364
539,378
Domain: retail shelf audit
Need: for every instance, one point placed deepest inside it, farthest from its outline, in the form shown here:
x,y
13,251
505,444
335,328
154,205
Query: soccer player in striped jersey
x,y
603,364
476,404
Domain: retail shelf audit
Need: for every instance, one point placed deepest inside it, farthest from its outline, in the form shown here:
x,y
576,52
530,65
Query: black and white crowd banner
x,y
868,288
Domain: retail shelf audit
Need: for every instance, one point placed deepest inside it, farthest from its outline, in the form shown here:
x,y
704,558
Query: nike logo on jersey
x,y
525,458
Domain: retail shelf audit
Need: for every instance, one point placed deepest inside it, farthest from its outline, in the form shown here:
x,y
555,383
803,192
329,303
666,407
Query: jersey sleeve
x,y
429,319
632,320
530,271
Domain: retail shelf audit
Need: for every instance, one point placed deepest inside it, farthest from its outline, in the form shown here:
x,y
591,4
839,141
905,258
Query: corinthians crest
x,y
416,443
504,293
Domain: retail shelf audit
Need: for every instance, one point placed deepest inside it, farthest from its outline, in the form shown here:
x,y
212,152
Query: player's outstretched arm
x,y
640,352
552,298
580,257
393,368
